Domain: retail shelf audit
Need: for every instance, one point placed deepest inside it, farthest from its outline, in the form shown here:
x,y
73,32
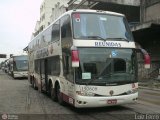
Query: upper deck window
x,y
100,26
66,33
56,31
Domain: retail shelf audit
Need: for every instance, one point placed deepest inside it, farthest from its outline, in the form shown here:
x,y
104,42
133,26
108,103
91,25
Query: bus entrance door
x,y
46,74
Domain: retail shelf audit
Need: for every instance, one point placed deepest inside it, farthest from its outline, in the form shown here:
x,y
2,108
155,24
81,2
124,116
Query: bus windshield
x,y
106,66
21,63
100,26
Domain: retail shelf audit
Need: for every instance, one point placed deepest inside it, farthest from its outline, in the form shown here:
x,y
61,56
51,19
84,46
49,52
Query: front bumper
x,y
86,101
18,75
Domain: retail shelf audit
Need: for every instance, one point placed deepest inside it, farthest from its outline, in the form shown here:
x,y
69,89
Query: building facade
x,y
45,13
59,9
131,8
150,10
147,33
49,11
143,16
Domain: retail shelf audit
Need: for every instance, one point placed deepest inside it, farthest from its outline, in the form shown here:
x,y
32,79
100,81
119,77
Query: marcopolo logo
x,y
107,44
4,117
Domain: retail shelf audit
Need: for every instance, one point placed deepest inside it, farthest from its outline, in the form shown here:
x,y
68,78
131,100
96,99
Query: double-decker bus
x,y
18,66
86,58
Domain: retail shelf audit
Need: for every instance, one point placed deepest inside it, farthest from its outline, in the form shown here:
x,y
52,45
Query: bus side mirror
x,y
147,59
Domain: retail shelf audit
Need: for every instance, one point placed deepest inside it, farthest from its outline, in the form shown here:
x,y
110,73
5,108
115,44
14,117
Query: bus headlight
x,y
135,90
85,93
132,91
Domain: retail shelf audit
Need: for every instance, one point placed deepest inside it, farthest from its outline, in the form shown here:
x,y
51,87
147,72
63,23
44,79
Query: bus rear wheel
x,y
12,74
52,93
34,85
59,95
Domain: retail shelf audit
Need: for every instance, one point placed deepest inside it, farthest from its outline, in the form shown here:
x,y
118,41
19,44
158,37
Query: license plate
x,y
113,101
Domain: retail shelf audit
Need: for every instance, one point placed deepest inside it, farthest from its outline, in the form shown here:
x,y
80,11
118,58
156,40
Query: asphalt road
x,y
18,100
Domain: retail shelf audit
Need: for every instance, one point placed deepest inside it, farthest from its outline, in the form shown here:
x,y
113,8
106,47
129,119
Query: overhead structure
x,y
131,8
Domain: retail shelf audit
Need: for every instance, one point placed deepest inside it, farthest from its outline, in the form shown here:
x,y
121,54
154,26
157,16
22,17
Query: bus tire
x,y
13,76
30,80
34,85
59,95
52,92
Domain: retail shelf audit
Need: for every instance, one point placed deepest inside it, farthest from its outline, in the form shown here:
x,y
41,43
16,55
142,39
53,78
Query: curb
x,y
154,89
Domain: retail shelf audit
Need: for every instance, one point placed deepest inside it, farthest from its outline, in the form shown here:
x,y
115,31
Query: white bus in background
x,y
18,66
6,68
86,58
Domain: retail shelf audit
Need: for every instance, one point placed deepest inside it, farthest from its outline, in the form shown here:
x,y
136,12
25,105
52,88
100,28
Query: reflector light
x,y
147,61
77,15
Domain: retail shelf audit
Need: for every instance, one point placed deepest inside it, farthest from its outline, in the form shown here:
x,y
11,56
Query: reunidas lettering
x,y
107,44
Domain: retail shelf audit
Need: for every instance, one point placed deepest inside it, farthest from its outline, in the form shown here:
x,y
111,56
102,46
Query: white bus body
x,y
86,58
18,66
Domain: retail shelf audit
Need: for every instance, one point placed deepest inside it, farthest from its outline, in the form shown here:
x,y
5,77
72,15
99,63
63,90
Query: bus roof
x,y
20,55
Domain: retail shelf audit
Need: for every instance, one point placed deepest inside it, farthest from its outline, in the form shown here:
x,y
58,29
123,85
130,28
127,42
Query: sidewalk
x,y
152,84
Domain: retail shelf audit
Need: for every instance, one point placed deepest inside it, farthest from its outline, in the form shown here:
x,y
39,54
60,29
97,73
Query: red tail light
x,y
75,58
147,61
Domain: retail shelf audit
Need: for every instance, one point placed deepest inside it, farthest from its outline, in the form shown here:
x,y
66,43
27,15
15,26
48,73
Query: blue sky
x,y
17,22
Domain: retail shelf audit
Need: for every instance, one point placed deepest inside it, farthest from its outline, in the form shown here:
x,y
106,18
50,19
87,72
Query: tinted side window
x,y
37,66
48,34
42,67
67,67
55,31
66,28
65,64
54,65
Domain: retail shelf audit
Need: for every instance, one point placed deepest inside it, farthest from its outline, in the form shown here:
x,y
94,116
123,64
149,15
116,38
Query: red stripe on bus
x,y
68,99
